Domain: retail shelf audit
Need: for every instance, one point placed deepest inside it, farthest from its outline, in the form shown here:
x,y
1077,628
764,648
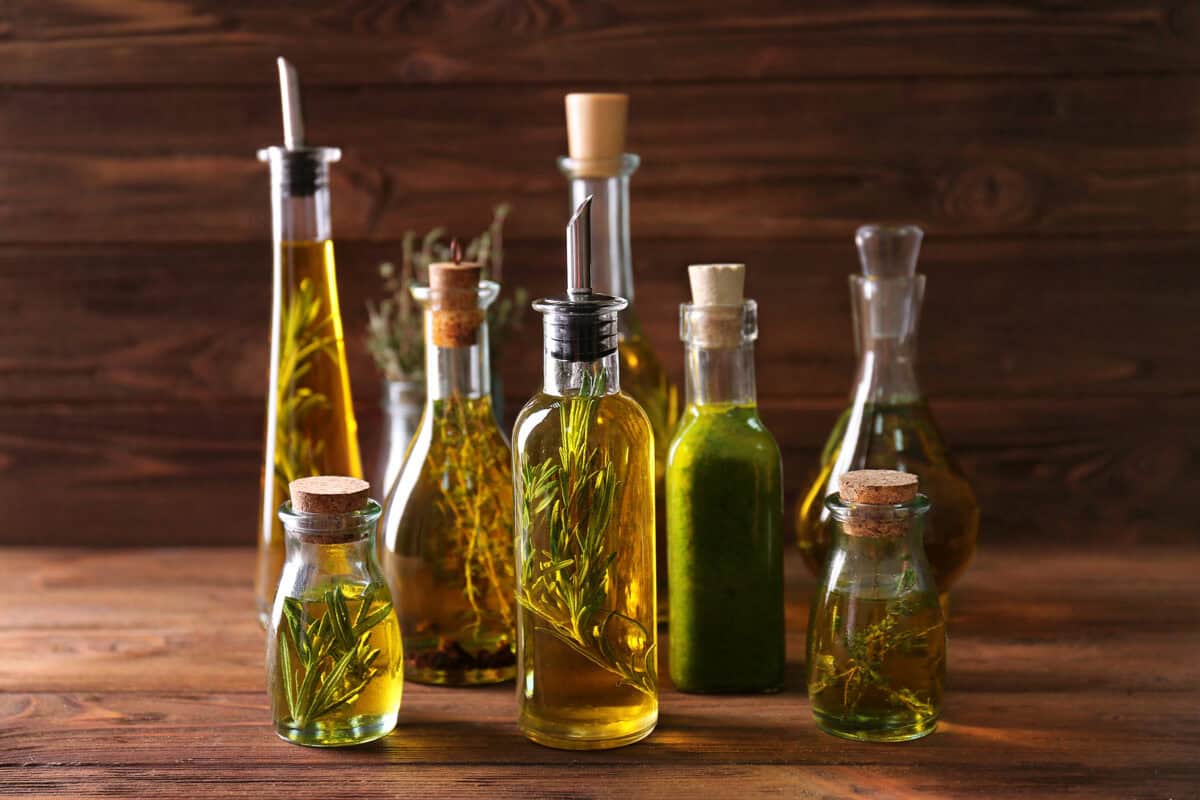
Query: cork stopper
x,y
716,314
876,487
454,301
328,494
596,132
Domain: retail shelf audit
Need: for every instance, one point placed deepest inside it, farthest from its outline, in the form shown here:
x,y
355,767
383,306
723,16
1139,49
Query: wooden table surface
x,y
139,673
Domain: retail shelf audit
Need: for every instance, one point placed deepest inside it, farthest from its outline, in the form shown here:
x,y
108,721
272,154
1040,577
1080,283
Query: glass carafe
x,y
447,536
887,424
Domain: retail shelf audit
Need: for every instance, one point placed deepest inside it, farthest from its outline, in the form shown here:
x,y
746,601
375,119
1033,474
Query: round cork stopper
x,y
329,494
454,301
717,300
596,131
878,487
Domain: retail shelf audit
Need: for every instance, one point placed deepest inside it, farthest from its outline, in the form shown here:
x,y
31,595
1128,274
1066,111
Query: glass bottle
x,y
403,402
599,168
876,636
583,456
887,424
333,645
310,424
448,525
724,503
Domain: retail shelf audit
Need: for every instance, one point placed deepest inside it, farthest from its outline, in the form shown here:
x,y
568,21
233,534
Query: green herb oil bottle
x,y
724,503
334,651
876,635
448,526
583,457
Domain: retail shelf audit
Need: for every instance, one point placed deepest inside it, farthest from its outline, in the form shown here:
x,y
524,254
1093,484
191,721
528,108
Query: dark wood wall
x,y
1051,150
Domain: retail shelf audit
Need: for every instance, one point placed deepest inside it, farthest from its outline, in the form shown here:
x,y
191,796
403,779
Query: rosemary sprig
x,y
565,585
336,662
297,454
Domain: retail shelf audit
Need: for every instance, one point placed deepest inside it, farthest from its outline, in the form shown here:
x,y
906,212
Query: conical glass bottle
x,y
310,429
724,503
598,167
876,636
583,457
888,424
447,535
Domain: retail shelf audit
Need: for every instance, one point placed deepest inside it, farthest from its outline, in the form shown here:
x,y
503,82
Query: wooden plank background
x,y
1052,151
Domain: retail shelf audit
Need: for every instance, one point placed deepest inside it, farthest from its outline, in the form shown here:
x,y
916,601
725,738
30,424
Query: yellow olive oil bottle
x,y
583,463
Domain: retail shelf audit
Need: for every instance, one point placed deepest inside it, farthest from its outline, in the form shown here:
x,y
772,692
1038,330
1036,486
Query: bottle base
x,y
358,730
460,677
564,736
874,730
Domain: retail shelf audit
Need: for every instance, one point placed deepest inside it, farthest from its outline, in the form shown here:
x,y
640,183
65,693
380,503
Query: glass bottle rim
x,y
349,527
625,165
486,293
326,155
842,510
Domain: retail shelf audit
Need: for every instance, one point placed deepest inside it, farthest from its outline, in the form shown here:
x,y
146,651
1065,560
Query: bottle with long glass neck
x,y
887,424
583,459
598,167
447,536
724,503
310,427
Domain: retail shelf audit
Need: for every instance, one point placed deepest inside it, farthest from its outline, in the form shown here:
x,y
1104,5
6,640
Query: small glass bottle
x,y
724,503
334,660
583,457
887,424
598,167
876,636
448,526
310,423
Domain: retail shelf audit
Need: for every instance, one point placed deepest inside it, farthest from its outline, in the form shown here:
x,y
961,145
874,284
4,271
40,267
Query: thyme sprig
x,y
333,652
566,584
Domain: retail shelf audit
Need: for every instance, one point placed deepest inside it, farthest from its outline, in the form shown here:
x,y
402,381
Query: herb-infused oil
x,y
583,455
876,635
724,503
448,529
334,651
887,424
311,429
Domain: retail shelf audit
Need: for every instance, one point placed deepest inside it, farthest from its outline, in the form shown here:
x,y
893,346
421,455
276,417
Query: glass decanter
x,y
888,424
447,537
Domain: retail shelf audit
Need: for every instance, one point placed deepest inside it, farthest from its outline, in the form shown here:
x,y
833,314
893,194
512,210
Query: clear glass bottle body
x,y
724,518
310,424
583,454
334,653
876,637
447,539
887,424
403,402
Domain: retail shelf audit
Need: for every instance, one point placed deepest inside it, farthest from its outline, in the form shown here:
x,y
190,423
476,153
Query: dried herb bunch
x,y
394,335
893,662
328,662
298,455
566,584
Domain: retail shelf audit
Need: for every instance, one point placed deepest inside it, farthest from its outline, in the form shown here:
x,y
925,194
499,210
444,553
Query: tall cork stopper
x,y
876,487
454,301
717,304
328,494
596,132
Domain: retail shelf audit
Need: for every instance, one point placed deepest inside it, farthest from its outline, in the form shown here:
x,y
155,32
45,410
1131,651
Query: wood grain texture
x,y
140,672
966,158
106,42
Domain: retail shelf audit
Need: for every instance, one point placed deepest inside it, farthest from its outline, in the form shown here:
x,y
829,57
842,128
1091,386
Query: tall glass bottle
x,y
583,457
724,503
598,167
887,424
448,525
310,427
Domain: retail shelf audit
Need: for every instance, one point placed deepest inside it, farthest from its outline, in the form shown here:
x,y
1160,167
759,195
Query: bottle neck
x,y
565,378
886,313
612,262
720,375
456,371
300,193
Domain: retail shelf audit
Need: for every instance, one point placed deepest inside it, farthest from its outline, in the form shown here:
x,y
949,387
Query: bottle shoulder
x,y
728,430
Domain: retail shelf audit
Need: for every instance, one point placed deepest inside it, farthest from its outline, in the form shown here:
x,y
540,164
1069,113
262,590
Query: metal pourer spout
x,y
293,115
579,252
